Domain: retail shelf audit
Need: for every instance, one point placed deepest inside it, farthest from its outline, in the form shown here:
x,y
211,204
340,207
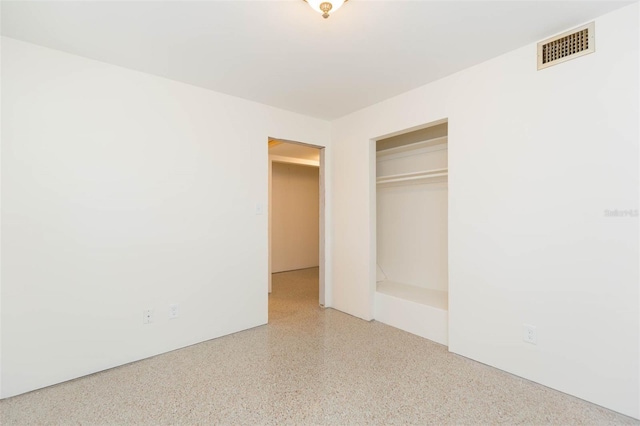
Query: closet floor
x,y
424,296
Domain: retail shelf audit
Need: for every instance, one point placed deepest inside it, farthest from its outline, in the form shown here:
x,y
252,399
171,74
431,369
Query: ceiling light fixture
x,y
325,7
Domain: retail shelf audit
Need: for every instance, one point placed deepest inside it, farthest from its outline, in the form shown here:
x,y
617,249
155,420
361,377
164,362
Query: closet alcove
x,y
412,232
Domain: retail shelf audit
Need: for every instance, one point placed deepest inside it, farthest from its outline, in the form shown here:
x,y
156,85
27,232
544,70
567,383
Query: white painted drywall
x,y
0,211
122,192
412,234
295,222
535,159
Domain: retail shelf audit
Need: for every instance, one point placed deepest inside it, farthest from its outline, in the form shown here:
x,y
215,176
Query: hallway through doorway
x,y
294,293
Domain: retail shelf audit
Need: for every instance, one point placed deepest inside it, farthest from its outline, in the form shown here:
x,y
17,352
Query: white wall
x,y
535,159
121,192
0,211
295,217
412,234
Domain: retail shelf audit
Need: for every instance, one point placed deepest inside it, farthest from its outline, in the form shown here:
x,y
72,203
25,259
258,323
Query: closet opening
x,y
296,211
411,232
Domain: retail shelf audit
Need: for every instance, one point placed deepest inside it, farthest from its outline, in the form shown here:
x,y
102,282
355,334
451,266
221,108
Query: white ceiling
x,y
284,54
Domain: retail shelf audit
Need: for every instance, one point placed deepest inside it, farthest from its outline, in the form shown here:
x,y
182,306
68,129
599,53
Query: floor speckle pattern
x,y
308,366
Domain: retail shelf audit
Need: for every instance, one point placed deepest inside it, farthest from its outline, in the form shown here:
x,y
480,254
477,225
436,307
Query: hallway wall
x,y
295,223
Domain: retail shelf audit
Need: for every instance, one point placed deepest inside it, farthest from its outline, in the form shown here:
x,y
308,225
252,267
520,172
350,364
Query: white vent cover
x,y
570,45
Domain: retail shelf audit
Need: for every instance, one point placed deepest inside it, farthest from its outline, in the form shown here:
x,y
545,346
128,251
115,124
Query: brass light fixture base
x,y
325,7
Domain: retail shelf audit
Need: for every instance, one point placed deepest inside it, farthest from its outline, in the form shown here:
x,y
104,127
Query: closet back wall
x,y
295,210
412,216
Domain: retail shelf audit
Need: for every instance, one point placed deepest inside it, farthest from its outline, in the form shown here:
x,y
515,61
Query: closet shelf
x,y
413,147
415,176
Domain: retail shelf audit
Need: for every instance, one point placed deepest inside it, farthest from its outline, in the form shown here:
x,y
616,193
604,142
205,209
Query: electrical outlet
x,y
530,334
173,311
147,316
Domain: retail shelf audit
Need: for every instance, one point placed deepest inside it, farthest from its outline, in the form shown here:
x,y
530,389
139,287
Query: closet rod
x,y
413,176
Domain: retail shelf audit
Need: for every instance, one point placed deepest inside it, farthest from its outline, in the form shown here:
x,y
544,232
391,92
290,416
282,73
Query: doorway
x,y
296,209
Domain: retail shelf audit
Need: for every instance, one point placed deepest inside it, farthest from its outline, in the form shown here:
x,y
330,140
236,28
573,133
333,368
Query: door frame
x,y
322,213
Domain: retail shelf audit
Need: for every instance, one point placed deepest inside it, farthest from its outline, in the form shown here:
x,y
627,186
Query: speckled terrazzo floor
x,y
308,366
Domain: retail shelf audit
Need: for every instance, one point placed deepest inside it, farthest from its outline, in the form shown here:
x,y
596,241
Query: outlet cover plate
x,y
530,334
147,316
173,311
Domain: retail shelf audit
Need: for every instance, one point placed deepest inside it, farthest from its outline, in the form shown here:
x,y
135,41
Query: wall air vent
x,y
570,45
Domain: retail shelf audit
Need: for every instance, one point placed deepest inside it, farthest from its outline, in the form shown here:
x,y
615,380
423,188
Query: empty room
x,y
319,212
